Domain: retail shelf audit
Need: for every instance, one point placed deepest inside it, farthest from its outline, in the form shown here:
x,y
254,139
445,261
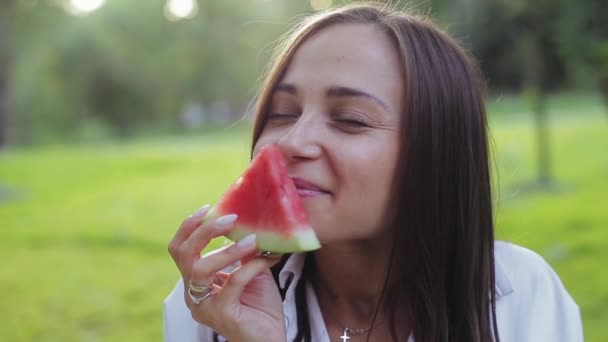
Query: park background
x,y
118,118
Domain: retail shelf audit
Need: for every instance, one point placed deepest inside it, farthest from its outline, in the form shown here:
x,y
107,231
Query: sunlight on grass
x,y
85,228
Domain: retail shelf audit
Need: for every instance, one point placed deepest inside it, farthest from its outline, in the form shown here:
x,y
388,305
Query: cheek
x,y
378,164
265,138
374,182
367,177
372,167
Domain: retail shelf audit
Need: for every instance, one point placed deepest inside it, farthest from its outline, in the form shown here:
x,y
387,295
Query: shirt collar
x,y
503,284
292,271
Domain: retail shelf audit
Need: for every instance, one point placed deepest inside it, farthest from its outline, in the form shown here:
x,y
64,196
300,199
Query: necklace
x,y
348,331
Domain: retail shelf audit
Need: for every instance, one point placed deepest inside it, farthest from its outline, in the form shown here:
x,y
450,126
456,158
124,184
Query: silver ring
x,y
199,293
266,253
197,288
198,299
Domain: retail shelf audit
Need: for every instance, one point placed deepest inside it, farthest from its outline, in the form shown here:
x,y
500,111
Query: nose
x,y
301,141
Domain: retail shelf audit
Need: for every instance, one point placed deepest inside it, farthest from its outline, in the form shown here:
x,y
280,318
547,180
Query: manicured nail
x,y
226,219
246,242
202,211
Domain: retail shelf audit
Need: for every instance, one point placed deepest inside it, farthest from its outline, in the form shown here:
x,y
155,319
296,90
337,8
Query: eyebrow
x,y
334,92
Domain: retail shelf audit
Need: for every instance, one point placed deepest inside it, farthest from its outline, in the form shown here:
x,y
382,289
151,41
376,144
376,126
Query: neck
x,y
349,279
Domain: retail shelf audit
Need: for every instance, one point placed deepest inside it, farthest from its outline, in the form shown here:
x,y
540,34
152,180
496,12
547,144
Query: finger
x,y
207,311
186,269
268,255
204,269
191,249
221,278
216,285
186,228
197,307
238,280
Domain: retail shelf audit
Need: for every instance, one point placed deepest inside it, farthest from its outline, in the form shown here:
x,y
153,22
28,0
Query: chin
x,y
321,233
328,235
317,213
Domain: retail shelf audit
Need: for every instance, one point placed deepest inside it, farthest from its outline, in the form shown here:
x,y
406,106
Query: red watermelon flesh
x,y
267,204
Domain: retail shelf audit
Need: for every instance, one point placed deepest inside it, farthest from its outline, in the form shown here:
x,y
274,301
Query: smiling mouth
x,y
307,189
309,193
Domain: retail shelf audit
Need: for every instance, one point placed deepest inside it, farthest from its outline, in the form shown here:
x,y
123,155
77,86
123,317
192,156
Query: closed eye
x,y
352,122
280,118
273,116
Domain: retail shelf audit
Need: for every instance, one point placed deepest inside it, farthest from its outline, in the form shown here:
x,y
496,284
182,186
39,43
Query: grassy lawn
x,y
85,228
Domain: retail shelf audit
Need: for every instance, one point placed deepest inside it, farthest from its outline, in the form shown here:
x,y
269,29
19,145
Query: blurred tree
x,y
601,11
572,31
537,47
515,42
6,59
534,38
41,97
125,68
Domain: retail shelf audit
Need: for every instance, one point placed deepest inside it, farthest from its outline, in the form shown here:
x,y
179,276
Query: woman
x,y
381,120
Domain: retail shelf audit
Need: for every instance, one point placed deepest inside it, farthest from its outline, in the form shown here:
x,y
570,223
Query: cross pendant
x,y
345,337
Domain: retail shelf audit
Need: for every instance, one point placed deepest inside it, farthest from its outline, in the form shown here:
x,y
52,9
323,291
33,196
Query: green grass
x,y
568,225
85,228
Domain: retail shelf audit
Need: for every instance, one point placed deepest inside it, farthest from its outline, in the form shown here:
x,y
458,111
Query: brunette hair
x,y
442,265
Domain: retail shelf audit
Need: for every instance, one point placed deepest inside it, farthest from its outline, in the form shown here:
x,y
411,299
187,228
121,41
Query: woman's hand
x,y
245,304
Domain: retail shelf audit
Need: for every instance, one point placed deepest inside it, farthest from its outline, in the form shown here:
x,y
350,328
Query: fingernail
x,y
246,242
226,219
202,211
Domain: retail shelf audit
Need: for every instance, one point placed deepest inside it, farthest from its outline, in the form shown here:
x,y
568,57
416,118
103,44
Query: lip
x,y
306,188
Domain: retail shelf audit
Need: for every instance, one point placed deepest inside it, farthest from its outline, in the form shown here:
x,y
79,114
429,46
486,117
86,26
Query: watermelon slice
x,y
268,205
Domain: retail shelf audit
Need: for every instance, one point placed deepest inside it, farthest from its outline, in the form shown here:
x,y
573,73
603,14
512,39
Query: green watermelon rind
x,y
300,241
303,239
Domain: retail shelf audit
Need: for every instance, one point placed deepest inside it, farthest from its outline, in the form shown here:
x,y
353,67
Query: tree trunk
x,y
542,137
6,58
536,89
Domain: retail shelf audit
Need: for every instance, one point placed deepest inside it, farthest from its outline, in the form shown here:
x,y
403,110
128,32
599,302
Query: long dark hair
x,y
442,264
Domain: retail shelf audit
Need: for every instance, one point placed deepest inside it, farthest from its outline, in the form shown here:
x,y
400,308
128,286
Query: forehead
x,y
360,56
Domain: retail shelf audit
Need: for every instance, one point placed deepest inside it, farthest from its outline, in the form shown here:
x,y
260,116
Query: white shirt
x,y
531,303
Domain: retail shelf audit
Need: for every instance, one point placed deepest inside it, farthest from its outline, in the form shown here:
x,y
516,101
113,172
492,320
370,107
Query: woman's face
x,y
336,115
